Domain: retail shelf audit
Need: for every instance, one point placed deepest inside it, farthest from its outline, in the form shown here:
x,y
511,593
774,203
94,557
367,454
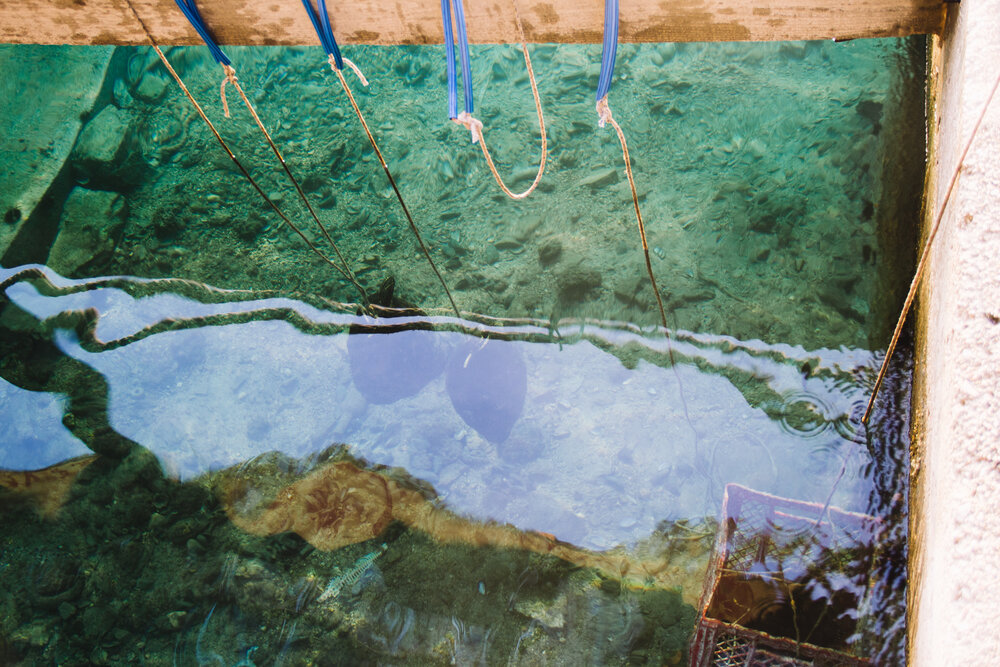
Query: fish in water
x,y
352,576
487,381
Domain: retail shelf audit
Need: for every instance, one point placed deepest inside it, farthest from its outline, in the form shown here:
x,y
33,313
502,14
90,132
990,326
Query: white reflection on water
x,y
599,454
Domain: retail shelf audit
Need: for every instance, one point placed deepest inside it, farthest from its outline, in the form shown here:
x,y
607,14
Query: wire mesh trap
x,y
789,584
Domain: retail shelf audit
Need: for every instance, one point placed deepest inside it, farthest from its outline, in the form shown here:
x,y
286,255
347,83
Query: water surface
x,y
210,455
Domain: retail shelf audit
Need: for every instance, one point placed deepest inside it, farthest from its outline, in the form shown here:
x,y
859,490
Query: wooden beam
x,y
284,22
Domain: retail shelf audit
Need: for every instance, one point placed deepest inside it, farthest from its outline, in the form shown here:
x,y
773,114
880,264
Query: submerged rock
x,y
508,243
576,280
490,255
872,112
104,155
601,178
47,90
522,449
89,230
550,252
151,88
101,139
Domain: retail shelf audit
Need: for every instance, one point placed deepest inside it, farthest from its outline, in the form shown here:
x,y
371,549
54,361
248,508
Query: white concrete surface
x,y
955,578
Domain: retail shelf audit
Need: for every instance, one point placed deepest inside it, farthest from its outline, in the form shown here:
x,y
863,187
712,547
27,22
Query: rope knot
x,y
230,78
473,125
603,112
357,71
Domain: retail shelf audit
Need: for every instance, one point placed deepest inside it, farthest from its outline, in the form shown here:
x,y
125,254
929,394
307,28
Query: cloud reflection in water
x,y
599,454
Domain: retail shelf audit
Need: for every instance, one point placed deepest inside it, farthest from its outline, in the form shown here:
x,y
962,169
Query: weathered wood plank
x,y
490,21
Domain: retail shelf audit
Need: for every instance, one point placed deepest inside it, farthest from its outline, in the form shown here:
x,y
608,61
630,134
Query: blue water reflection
x,y
36,438
598,451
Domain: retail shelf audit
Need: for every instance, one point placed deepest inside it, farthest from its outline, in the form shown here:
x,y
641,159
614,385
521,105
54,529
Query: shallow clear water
x,y
240,468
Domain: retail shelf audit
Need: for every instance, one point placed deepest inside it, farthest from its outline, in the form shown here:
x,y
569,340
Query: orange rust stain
x,y
679,21
113,38
687,31
569,37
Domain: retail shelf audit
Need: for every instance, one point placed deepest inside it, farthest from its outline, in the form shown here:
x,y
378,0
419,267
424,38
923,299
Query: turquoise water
x,y
240,467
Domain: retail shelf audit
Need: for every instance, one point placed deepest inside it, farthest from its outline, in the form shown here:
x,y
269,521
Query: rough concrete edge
x,y
919,394
955,499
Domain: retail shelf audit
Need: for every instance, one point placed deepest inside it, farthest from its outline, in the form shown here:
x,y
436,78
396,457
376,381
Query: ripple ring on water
x,y
804,414
849,426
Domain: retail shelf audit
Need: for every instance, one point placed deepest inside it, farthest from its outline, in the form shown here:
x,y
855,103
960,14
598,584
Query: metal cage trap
x,y
789,584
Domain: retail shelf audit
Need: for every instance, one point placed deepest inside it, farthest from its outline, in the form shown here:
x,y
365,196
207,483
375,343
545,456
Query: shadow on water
x,y
505,490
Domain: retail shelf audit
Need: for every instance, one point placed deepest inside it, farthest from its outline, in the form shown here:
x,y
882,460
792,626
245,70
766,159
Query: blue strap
x,y
318,27
610,47
463,52
194,16
332,48
449,53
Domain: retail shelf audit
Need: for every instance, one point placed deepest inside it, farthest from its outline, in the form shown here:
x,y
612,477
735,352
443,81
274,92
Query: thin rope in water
x,y
392,181
924,257
609,52
232,156
475,126
320,19
231,78
604,116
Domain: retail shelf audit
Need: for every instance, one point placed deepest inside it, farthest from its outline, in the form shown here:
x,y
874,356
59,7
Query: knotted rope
x,y
231,78
604,116
320,18
388,174
475,126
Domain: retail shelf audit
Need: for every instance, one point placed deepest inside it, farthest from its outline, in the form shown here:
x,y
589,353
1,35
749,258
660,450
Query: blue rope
x,y
610,47
449,52
194,16
463,52
324,38
332,48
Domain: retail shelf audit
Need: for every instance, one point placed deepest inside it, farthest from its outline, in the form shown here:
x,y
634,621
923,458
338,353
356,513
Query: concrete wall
x,y
955,547
489,21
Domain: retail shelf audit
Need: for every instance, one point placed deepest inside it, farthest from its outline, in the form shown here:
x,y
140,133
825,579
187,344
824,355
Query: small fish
x,y
352,576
